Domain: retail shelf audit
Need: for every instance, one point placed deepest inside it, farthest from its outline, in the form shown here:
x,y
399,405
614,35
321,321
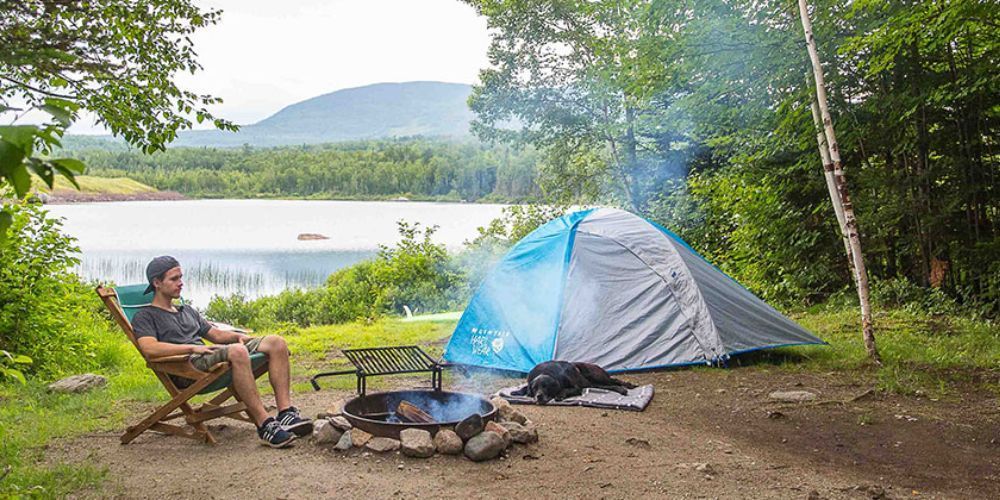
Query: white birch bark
x,y
850,222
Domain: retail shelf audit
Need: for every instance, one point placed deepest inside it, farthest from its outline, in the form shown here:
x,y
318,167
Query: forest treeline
x,y
621,96
416,168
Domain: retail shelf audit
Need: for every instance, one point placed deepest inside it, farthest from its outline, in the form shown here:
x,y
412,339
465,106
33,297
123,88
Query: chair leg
x,y
180,399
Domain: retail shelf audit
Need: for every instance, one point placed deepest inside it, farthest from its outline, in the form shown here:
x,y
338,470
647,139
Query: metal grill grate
x,y
377,361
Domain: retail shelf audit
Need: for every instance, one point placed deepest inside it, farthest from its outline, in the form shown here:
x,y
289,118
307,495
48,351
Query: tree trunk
x,y
831,183
850,222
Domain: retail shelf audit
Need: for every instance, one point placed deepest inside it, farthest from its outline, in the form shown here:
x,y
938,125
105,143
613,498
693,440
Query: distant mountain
x,y
371,112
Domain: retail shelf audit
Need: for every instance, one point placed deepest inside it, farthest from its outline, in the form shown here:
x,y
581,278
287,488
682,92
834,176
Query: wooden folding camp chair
x,y
124,302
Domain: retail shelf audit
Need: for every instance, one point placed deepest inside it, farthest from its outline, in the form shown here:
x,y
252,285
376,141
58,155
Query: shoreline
x,y
64,197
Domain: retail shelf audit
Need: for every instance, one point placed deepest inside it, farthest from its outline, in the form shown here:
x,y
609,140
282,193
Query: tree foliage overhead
x,y
114,58
714,98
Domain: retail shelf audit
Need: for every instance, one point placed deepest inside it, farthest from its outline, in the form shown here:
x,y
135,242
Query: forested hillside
x,y
419,169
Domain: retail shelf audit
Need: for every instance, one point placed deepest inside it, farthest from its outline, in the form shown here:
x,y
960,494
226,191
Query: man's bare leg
x,y
278,369
244,383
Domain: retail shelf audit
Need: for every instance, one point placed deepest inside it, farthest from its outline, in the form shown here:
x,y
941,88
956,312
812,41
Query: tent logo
x,y
497,345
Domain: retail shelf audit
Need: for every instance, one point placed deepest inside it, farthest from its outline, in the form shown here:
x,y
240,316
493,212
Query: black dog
x,y
561,379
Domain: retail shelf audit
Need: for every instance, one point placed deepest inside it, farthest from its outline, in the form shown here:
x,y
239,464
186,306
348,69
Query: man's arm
x,y
153,348
217,336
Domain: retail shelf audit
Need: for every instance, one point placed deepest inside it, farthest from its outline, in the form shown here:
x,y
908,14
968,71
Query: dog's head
x,y
545,388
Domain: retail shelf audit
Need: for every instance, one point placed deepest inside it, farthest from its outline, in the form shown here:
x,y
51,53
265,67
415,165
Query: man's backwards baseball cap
x,y
157,267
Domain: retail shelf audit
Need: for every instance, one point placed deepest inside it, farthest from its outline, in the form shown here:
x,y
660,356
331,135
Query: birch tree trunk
x,y
850,222
831,183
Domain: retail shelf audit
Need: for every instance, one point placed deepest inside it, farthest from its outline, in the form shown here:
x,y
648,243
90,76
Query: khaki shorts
x,y
205,362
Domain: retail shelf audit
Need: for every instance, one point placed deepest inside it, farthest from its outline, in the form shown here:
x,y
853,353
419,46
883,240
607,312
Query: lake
x,y
250,246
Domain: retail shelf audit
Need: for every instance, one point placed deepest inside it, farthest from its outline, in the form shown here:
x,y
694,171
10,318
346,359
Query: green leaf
x,y
10,155
71,164
61,115
43,170
21,359
21,179
6,219
22,136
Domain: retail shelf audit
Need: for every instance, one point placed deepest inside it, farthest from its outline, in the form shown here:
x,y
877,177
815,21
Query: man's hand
x,y
204,349
244,339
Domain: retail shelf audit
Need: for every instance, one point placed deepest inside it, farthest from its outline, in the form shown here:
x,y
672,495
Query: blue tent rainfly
x,y
605,286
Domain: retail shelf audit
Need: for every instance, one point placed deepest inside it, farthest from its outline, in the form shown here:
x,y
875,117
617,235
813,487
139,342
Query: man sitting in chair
x,y
164,329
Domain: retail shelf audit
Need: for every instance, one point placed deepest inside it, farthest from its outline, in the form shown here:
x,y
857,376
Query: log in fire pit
x,y
380,414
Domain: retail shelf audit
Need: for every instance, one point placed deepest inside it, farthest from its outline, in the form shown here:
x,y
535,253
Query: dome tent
x,y
607,287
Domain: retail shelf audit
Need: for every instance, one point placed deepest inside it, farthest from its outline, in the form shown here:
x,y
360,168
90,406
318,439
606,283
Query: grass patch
x,y
921,354
98,185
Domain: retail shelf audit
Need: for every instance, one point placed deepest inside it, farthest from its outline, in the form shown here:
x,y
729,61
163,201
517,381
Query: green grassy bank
x,y
936,355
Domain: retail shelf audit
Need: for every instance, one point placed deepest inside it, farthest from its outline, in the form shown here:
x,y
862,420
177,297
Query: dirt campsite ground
x,y
849,443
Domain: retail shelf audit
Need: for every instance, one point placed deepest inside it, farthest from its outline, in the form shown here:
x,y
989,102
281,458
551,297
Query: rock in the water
x,y
382,444
312,237
325,433
447,442
78,383
359,437
502,431
792,396
416,443
341,423
484,446
472,425
345,442
519,433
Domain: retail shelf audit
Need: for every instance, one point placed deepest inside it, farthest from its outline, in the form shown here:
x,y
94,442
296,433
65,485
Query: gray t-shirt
x,y
185,326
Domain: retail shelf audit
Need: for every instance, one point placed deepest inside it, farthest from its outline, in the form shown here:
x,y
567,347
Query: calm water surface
x,y
250,246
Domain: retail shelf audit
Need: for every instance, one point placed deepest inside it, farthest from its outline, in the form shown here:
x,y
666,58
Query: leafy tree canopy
x,y
115,58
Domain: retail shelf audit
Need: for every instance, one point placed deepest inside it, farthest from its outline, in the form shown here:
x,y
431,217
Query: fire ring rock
x,y
484,446
447,442
519,433
416,443
502,431
382,444
325,433
472,425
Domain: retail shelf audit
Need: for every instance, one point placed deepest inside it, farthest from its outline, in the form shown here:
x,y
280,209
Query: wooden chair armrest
x,y
169,359
184,368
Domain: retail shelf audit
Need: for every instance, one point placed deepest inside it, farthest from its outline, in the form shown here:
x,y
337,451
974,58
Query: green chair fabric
x,y
132,299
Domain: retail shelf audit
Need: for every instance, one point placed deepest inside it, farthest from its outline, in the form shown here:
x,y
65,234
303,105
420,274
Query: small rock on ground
x,y
484,446
447,442
325,433
382,444
78,383
519,433
472,425
359,437
509,414
337,408
345,442
341,423
792,396
416,443
502,431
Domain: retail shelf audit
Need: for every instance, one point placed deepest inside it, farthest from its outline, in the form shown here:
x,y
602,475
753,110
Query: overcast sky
x,y
266,54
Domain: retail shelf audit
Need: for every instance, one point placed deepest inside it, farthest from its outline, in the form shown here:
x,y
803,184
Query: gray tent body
x,y
631,296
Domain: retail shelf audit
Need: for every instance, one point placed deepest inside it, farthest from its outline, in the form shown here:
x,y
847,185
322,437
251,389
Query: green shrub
x,y
416,273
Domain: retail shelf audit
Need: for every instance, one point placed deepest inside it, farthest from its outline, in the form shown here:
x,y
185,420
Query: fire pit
x,y
378,413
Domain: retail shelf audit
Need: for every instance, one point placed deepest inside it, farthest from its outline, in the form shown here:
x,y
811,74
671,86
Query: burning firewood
x,y
413,413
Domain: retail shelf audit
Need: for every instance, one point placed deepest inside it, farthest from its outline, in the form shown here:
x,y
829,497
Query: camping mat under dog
x,y
636,400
